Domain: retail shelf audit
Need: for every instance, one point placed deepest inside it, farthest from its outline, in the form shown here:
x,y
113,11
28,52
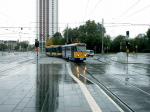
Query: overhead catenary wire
x,y
96,5
15,27
140,10
86,9
131,7
125,26
112,23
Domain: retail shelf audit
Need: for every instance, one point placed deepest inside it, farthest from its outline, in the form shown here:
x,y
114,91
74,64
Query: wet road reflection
x,y
80,71
47,87
130,82
57,91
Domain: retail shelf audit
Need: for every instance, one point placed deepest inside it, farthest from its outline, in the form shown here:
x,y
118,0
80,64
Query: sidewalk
x,y
52,89
62,93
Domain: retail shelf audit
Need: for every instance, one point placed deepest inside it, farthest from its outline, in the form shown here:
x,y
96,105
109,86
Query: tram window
x,y
81,48
73,48
68,48
59,49
63,48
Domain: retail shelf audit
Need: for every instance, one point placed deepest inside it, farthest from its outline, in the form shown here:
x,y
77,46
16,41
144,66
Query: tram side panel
x,y
68,53
63,52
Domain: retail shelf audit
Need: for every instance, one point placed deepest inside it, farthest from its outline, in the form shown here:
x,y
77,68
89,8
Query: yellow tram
x,y
54,50
74,52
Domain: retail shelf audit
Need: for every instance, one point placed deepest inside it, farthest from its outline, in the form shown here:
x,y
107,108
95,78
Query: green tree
x,y
24,45
89,33
3,47
57,39
57,35
118,44
141,42
148,37
17,47
148,34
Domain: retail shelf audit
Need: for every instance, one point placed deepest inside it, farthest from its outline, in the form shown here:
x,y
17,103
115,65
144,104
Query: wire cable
x,y
131,7
140,10
96,5
86,10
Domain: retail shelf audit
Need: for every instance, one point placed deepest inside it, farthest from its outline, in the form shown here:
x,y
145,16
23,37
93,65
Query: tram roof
x,y
74,44
53,46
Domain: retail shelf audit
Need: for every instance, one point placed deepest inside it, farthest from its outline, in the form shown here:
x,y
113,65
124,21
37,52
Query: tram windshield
x,y
81,48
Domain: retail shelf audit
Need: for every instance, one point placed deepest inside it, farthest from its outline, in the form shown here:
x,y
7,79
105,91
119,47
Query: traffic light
x,y
36,43
127,33
127,44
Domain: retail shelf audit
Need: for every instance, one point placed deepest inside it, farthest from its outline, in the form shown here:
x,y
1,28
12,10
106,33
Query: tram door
x,y
72,51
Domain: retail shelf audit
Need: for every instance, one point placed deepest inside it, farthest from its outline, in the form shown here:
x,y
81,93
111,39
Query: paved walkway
x,y
51,89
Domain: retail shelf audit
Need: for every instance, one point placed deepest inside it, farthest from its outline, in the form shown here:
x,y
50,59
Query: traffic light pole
x,y
102,35
127,51
37,47
127,44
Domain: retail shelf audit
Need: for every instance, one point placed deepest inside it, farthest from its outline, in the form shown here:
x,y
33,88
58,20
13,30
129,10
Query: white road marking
x,y
117,106
92,103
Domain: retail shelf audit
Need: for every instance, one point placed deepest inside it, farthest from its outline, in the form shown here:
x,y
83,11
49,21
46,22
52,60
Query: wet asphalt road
x,y
12,61
17,82
129,82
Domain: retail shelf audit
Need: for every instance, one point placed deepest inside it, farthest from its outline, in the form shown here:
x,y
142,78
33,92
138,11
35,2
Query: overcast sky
x,y
20,13
17,13
113,11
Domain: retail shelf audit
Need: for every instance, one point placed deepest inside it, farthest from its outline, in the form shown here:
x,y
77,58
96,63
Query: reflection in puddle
x,y
47,87
79,70
53,82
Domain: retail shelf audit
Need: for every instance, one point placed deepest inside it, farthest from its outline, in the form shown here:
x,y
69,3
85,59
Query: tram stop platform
x,y
51,86
61,91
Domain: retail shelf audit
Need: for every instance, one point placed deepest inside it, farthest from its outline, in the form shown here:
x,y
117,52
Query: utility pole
x,y
127,44
67,33
127,51
20,38
120,46
42,43
102,51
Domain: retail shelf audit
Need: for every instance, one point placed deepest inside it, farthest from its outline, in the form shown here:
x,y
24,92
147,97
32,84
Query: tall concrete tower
x,y
53,16
47,20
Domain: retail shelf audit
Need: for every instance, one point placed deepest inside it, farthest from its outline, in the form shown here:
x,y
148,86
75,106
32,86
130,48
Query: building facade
x,y
11,44
47,20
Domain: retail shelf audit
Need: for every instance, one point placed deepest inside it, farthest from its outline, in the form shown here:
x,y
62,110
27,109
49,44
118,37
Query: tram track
x,y
109,92
143,91
114,97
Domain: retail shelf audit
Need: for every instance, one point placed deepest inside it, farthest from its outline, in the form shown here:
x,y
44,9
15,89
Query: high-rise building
x,y
47,20
53,16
